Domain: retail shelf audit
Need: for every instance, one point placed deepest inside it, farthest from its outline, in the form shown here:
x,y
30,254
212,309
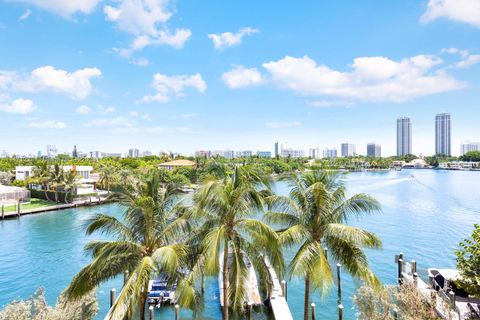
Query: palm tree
x,y
107,175
147,240
42,176
70,183
57,178
314,217
228,207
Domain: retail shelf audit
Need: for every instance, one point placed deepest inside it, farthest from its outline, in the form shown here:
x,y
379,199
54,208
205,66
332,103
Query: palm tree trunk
x,y
203,283
143,301
307,297
225,281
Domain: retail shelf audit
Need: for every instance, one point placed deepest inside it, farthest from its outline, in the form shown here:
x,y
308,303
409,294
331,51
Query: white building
x,y
264,154
292,153
229,154
203,154
330,153
404,136
85,183
459,165
51,151
374,150
469,146
348,149
443,134
146,153
244,154
133,153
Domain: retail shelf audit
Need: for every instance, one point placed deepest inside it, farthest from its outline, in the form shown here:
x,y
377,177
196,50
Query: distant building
x,y
443,134
172,165
134,153
264,154
469,146
374,150
4,154
146,153
96,154
51,151
314,153
404,136
111,155
348,149
459,165
244,154
202,154
228,154
292,153
277,150
330,153
75,153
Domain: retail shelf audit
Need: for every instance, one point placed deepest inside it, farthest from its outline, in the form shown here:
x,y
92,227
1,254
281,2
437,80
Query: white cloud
x,y
468,61
65,8
329,103
49,124
20,106
370,78
110,122
467,11
228,39
25,15
281,125
105,109
167,87
146,20
187,116
83,110
76,84
242,77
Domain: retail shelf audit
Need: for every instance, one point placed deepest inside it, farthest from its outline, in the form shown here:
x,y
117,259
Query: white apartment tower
x,y
404,136
443,134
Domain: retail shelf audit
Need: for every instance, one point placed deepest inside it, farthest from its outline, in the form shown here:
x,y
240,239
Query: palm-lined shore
x,y
160,233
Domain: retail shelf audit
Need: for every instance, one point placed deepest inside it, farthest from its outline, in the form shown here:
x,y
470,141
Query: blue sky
x,y
181,76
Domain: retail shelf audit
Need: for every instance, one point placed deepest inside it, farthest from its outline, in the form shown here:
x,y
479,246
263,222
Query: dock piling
x,y
112,297
415,279
395,313
339,280
325,252
414,266
340,312
284,289
125,277
84,311
451,294
151,314
177,312
250,311
400,270
3,212
314,315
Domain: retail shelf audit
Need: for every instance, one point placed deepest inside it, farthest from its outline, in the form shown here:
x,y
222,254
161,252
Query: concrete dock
x,y
278,303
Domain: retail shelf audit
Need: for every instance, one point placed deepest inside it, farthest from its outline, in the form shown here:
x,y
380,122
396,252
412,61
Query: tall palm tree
x,y
228,207
314,217
57,179
70,183
146,241
107,175
42,176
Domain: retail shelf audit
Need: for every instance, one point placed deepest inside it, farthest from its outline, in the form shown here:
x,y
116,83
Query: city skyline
x,y
165,80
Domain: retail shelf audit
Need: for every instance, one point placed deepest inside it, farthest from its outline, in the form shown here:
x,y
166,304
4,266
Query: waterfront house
x,y
172,165
459,165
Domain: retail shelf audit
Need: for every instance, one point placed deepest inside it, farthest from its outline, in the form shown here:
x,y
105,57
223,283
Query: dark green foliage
x,y
468,262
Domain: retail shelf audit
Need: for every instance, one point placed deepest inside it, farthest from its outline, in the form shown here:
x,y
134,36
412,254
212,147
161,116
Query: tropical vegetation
x,y
468,262
313,217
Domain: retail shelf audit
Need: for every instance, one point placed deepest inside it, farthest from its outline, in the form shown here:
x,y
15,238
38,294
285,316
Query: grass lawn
x,y
34,203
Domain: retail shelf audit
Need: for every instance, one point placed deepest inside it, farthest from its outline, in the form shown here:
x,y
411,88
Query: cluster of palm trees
x,y
237,214
54,179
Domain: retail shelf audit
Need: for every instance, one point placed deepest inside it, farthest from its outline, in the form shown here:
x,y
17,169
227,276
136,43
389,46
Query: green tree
x,y
57,179
228,206
468,262
42,176
146,241
108,175
471,156
314,217
70,183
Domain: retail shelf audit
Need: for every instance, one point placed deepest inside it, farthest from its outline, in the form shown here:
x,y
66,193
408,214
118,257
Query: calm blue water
x,y
424,217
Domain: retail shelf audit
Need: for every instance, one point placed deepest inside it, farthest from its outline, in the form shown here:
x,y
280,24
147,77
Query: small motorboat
x,y
443,282
159,291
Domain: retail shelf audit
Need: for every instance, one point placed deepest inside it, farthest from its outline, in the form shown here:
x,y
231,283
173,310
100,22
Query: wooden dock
x,y
278,303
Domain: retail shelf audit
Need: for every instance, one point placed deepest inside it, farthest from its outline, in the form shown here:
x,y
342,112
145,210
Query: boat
x,y
159,291
443,281
253,294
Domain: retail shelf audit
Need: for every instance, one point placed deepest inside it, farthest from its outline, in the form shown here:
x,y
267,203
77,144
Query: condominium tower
x,y
348,150
374,150
443,134
404,136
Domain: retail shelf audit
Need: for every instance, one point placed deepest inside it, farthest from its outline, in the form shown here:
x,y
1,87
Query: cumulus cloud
x,y
76,84
242,77
49,124
367,79
281,125
146,20
467,11
83,110
167,87
65,8
19,106
467,59
228,39
25,15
